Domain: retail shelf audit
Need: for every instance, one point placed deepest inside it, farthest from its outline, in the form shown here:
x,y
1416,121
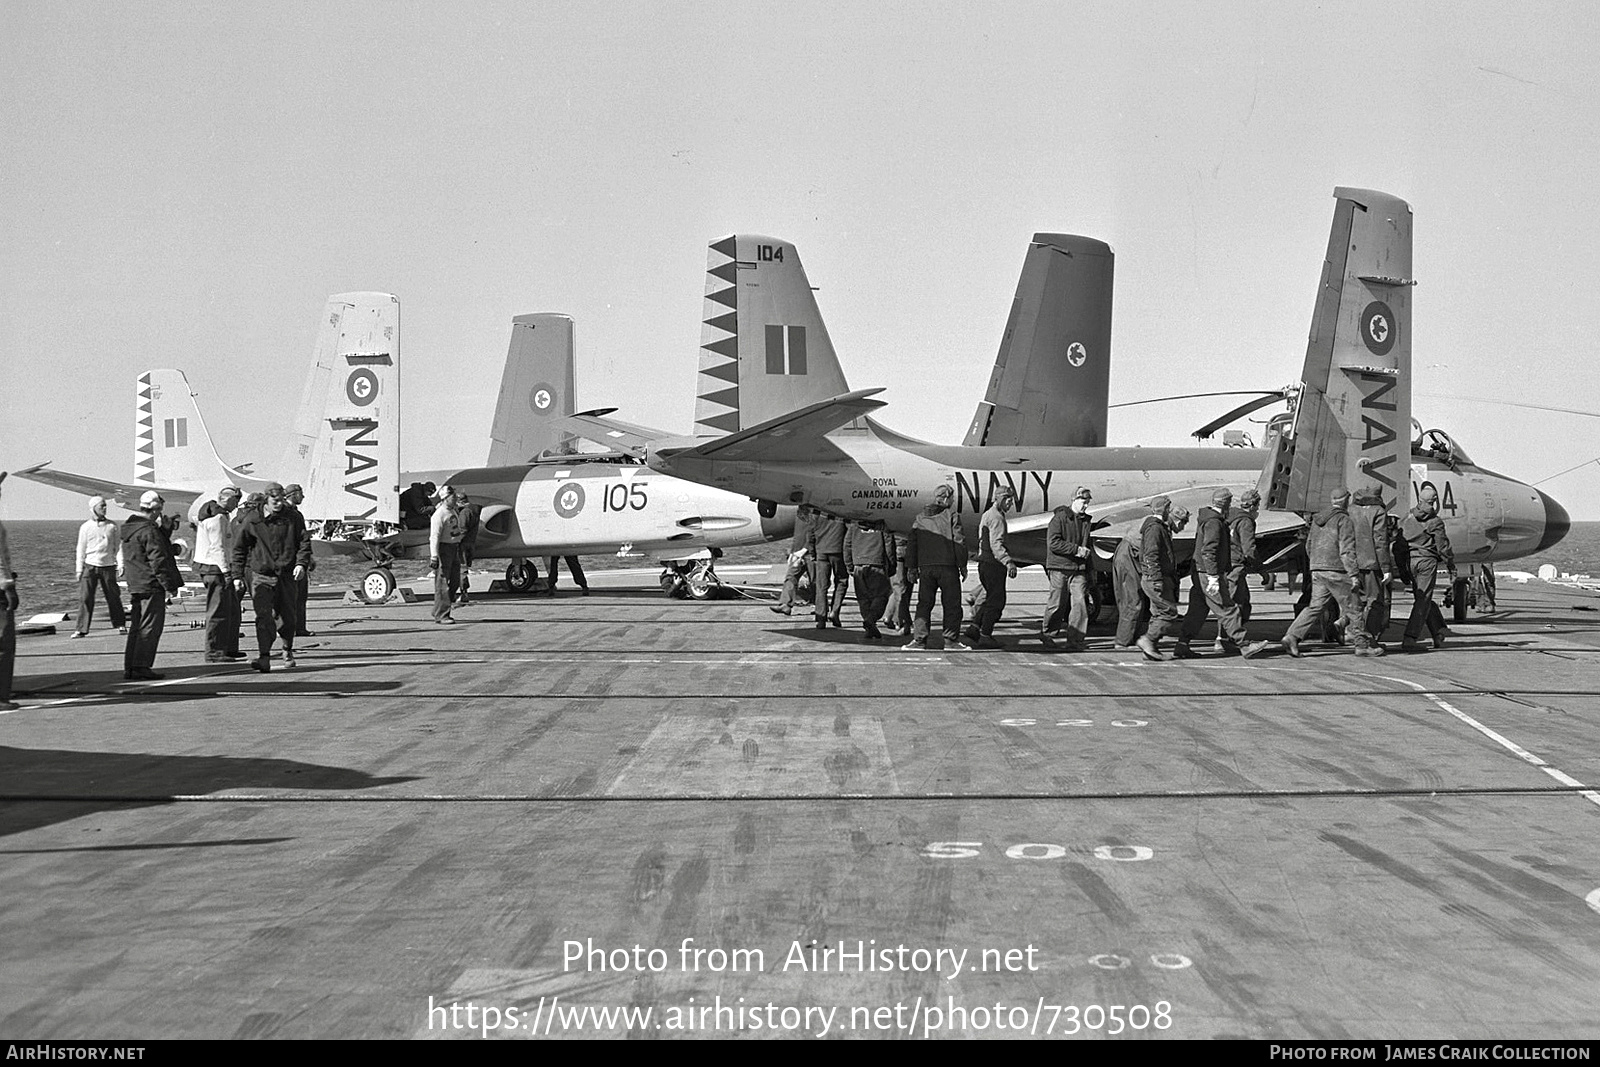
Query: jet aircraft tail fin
x,y
1353,416
354,452
1052,377
171,445
535,390
764,350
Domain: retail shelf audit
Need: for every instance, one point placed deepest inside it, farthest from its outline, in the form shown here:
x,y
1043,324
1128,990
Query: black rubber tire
x,y
377,585
522,575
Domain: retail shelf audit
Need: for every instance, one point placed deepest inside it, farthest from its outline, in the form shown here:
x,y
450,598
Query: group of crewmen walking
x,y
1347,547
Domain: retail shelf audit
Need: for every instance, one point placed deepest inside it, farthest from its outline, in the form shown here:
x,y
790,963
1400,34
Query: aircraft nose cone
x,y
1556,522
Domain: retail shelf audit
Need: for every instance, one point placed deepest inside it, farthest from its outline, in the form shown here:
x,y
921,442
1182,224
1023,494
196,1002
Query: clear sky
x,y
183,185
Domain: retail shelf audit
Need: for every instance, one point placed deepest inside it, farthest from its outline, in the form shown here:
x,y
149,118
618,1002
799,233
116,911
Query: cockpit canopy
x,y
1436,444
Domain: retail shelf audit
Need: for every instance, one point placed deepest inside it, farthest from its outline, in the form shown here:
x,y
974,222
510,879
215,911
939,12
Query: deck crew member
x,y
1158,572
1067,563
293,497
936,560
444,554
575,568
995,565
1428,546
9,603
1331,550
213,537
153,579
825,545
470,513
273,548
1370,513
799,554
1209,591
897,613
1133,609
869,557
1242,551
98,556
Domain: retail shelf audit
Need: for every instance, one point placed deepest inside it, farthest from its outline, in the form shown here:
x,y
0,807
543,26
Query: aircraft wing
x,y
124,496
1025,536
797,436
615,434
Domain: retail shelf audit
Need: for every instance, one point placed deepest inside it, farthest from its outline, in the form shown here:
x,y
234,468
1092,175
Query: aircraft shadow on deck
x,y
42,787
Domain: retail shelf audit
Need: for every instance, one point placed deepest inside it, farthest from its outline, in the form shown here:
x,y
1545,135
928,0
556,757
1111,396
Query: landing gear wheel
x,y
521,575
702,583
377,586
1458,600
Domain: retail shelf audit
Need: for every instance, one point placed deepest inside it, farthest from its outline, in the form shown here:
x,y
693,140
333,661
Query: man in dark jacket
x,y
1242,550
1209,592
1370,514
936,560
273,546
295,496
151,570
1068,552
825,545
1428,547
1331,551
1158,573
470,516
799,560
1133,610
869,557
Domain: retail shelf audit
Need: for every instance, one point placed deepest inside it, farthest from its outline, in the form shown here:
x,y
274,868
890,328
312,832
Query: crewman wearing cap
x,y
1429,547
995,565
1067,563
99,560
444,552
151,569
1209,592
1370,513
936,562
294,496
1242,551
1331,551
1158,573
213,541
272,546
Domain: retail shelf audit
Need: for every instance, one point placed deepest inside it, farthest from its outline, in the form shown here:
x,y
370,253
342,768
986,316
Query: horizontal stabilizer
x,y
615,434
123,496
794,436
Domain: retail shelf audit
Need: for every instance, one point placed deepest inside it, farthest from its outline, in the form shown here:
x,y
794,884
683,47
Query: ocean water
x,y
42,555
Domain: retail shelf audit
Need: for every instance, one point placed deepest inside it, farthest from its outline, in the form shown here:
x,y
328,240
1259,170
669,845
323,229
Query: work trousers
x,y
273,597
829,582
104,579
898,611
1374,604
1239,587
1163,598
574,568
302,593
872,593
1069,592
223,615
8,649
1330,587
1220,604
147,617
1133,610
944,583
990,602
798,565
1424,612
447,578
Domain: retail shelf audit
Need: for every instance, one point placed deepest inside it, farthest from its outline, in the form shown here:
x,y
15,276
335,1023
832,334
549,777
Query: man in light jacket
x,y
99,562
995,565
213,539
